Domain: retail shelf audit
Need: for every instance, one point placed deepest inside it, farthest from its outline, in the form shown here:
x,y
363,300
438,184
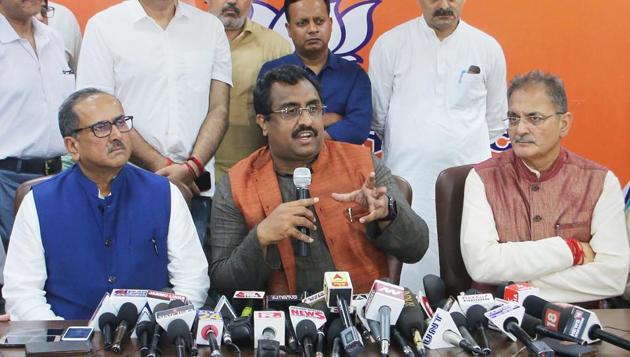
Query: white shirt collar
x,y
424,27
8,34
138,13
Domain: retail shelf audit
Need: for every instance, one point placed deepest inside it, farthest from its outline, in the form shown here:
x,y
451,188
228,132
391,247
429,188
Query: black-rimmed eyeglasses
x,y
103,129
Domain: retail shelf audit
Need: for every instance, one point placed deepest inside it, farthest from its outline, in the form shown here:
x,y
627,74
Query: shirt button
x,y
111,279
535,187
537,218
108,243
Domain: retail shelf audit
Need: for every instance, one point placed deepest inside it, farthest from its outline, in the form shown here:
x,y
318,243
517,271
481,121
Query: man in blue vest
x,y
100,225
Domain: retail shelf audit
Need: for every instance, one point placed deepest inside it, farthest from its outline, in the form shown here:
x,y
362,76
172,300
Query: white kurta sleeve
x,y
96,62
606,276
381,73
187,264
496,99
489,261
25,268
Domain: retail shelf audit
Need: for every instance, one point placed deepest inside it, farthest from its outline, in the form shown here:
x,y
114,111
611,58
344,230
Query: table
x,y
614,321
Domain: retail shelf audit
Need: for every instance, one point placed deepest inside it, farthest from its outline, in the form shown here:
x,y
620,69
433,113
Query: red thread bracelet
x,y
197,163
191,170
576,250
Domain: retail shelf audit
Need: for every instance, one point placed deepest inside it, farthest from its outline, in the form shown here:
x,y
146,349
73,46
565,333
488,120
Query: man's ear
x,y
262,123
72,146
565,124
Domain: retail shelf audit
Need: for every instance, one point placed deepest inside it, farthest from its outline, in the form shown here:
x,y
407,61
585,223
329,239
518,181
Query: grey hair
x,y
553,86
68,118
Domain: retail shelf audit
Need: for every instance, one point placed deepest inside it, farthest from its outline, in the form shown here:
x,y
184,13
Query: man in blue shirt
x,y
345,85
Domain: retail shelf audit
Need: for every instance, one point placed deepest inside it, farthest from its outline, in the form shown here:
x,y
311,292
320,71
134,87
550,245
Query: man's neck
x,y
162,11
315,62
101,177
543,164
22,26
284,167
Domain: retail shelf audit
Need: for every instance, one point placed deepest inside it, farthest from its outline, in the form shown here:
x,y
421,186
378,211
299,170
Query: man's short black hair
x,y
287,3
287,74
68,118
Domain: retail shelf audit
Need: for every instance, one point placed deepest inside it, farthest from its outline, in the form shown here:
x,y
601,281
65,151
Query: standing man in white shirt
x,y
34,80
65,23
438,93
169,64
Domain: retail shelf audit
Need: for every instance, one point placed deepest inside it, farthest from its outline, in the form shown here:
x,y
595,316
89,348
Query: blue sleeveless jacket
x,y
94,245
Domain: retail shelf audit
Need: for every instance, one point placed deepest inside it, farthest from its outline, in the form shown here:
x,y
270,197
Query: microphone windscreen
x,y
128,312
144,327
334,330
177,328
106,319
434,289
159,307
175,303
529,324
535,306
475,316
459,318
306,328
410,319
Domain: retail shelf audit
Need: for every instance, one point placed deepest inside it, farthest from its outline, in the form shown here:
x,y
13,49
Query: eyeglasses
x,y
47,11
534,119
291,113
103,129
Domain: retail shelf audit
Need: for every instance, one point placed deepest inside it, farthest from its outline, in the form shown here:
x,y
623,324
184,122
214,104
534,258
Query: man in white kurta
x,y
439,101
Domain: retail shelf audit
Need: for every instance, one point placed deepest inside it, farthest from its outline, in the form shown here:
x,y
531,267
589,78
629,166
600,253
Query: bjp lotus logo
x,y
502,143
352,28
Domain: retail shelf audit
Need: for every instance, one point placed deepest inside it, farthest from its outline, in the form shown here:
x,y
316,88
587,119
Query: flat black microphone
x,y
106,324
127,317
411,322
306,333
534,326
144,331
178,332
302,181
407,351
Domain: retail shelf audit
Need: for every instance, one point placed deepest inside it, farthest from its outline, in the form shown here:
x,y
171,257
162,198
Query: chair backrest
x,y
26,186
395,265
449,202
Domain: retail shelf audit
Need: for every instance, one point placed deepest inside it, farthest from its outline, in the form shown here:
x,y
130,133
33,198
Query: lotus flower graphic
x,y
351,31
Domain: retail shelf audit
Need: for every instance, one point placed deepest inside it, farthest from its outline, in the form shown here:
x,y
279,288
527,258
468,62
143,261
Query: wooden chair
x,y
449,202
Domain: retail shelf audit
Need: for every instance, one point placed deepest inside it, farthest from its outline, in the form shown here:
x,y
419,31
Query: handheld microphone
x,y
144,329
269,332
384,305
302,181
177,321
478,321
333,337
106,323
209,330
157,330
306,333
581,323
178,333
411,322
127,317
534,326
434,289
407,351
507,318
442,333
338,291
460,322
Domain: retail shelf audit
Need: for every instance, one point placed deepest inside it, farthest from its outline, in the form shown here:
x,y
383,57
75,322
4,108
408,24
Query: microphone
x,y
334,330
580,323
127,317
434,289
157,330
144,329
178,332
269,332
441,333
209,330
460,322
302,181
411,322
338,292
534,326
105,323
384,305
177,321
478,321
407,351
306,333
507,318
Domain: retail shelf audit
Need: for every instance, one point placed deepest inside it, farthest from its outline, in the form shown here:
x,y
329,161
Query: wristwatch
x,y
392,209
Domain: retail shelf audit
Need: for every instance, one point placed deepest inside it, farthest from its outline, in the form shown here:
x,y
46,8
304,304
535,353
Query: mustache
x,y
524,139
231,7
444,12
114,145
301,128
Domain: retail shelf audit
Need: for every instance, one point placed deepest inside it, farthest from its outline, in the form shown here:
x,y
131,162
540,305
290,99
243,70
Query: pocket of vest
x,y
578,230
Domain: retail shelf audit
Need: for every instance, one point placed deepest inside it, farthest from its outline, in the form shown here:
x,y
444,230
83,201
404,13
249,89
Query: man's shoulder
x,y
497,162
583,163
394,34
270,36
201,17
139,173
345,66
477,36
286,59
116,12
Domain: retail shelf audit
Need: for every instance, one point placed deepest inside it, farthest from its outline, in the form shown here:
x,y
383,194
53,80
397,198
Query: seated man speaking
x,y
100,225
255,214
541,214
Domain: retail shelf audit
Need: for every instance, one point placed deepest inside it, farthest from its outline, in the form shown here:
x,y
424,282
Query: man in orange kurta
x,y
256,216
